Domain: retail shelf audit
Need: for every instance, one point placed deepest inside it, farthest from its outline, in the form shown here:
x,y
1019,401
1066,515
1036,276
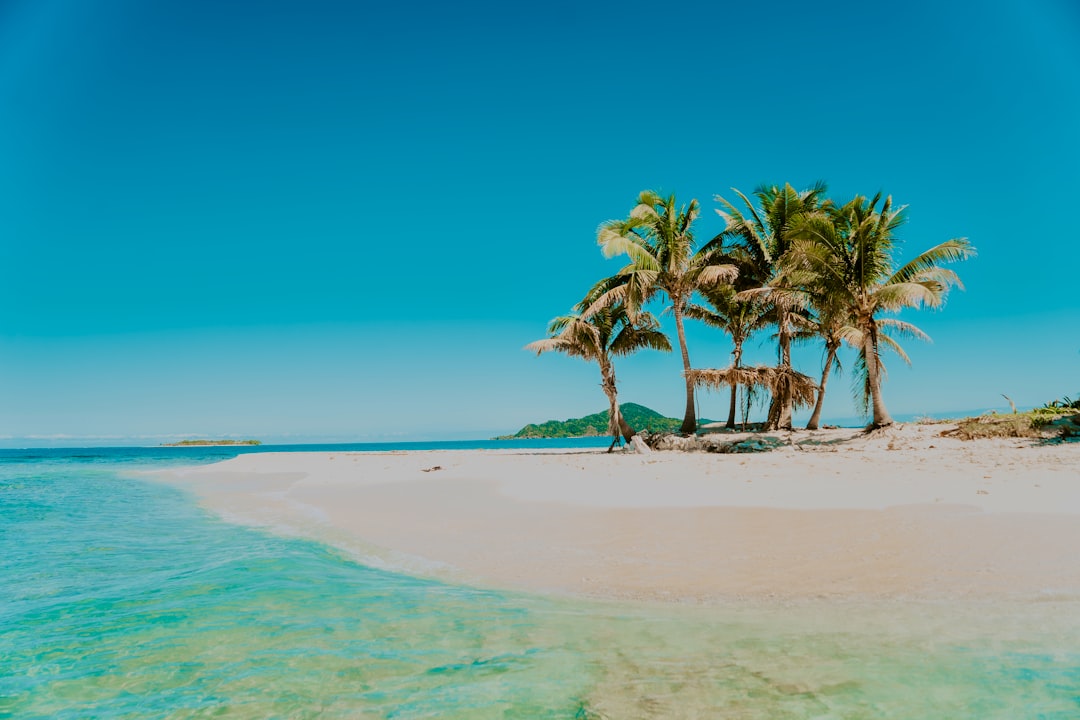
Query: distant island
x,y
191,443
639,417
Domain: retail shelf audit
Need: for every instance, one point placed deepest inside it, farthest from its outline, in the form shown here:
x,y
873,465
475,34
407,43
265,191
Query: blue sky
x,y
343,221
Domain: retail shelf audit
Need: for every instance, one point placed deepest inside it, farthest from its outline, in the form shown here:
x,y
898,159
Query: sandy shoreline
x,y
900,514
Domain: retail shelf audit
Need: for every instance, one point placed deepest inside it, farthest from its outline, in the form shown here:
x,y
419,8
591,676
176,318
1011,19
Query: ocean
x,y
123,598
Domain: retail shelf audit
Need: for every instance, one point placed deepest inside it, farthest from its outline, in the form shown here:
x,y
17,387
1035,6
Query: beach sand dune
x,y
903,513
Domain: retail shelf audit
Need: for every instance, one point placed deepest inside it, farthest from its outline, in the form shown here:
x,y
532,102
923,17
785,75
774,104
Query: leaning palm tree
x,y
832,324
659,241
597,336
829,318
740,319
761,236
850,250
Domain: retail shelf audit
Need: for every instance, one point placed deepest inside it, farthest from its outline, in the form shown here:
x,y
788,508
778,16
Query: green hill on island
x,y
638,416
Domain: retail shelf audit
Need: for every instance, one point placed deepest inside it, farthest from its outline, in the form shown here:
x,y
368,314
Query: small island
x,y
638,416
204,443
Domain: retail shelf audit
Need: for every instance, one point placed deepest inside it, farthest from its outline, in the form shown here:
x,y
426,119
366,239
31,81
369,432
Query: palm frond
x,y
650,198
616,238
644,210
949,251
631,339
851,335
716,275
577,338
605,298
745,376
778,380
545,345
697,312
904,329
890,343
860,385
908,294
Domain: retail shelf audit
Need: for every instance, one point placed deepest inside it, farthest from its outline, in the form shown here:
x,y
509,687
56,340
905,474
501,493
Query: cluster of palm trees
x,y
793,261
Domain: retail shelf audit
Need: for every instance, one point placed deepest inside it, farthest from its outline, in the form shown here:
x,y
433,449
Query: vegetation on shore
x,y
793,262
1055,419
194,443
1065,404
637,416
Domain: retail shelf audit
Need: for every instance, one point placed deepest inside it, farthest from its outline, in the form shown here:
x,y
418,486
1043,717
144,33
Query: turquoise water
x,y
121,598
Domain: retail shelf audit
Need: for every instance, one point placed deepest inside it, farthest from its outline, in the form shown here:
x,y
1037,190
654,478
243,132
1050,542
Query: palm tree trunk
x,y
735,363
829,359
689,423
873,372
748,397
617,424
780,407
772,420
784,418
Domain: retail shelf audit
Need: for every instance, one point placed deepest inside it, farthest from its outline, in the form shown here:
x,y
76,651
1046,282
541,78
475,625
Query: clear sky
x,y
315,220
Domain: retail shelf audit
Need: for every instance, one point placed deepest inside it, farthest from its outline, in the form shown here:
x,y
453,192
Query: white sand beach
x,y
902,513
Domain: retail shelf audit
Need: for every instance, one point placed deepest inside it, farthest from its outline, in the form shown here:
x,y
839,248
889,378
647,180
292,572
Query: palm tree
x,y
829,317
597,336
832,328
659,241
739,318
762,236
850,251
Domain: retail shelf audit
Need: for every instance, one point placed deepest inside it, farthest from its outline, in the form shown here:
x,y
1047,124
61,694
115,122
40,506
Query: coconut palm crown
x,y
658,239
599,335
849,250
760,236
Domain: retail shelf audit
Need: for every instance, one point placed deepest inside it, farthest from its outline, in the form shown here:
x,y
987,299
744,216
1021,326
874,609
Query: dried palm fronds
x,y
777,380
791,383
757,376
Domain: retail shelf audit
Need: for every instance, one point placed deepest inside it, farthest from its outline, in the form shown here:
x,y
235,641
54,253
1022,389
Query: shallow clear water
x,y
121,598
